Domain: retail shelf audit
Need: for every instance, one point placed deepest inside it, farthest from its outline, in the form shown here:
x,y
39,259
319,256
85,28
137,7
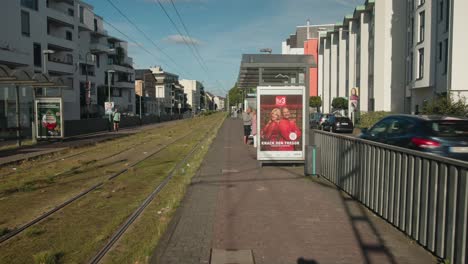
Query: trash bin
x,y
311,161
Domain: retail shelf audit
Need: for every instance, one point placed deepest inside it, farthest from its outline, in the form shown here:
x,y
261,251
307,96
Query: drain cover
x,y
231,256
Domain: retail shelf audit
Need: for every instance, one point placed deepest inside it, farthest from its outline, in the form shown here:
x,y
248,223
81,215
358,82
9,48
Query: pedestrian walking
x,y
247,119
116,119
254,127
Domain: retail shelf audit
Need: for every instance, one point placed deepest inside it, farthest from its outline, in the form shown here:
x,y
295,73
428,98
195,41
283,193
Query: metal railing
x,y
423,195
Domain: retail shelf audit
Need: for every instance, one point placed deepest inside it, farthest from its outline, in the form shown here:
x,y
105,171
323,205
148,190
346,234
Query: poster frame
x,y
38,121
283,156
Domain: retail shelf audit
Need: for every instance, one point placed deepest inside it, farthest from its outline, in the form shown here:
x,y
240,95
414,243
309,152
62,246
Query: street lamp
x,y
109,72
44,68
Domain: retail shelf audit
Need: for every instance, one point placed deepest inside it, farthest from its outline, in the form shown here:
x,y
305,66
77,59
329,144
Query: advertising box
x,y
281,122
49,118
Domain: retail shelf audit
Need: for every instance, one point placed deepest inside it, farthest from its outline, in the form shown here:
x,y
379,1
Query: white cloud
x,y
179,39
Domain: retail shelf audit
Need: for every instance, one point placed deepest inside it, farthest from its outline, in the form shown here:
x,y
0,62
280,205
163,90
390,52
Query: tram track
x,y
15,232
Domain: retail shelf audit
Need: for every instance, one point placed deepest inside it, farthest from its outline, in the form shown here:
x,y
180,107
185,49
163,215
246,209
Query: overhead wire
x,y
148,38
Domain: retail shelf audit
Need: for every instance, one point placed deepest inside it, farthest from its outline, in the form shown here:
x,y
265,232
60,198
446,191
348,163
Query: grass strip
x,y
78,231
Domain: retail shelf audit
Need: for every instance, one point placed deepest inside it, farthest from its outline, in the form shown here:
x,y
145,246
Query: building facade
x,y
193,90
145,87
65,39
169,92
395,54
306,42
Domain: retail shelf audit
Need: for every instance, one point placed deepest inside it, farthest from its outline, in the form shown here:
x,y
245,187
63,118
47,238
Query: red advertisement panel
x,y
281,118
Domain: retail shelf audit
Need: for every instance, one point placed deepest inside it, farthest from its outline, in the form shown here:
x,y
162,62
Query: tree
x,y
340,103
235,96
315,101
444,105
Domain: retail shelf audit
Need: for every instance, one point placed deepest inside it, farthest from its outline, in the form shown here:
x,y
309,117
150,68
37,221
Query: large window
x,y
37,54
412,32
421,64
446,56
81,14
69,35
422,25
447,15
32,4
25,27
440,52
441,10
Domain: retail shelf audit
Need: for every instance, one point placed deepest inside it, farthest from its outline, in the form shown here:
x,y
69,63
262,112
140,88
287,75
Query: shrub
x,y
47,257
370,118
340,103
443,105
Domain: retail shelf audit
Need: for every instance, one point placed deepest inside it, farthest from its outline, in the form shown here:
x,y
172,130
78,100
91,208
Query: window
x,y
412,32
379,130
95,25
447,15
399,127
71,12
440,51
69,35
81,14
411,68
25,28
446,56
441,10
69,59
422,20
98,60
129,96
31,4
421,64
37,54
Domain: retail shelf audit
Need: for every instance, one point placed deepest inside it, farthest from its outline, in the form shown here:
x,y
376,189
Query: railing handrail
x,y
455,162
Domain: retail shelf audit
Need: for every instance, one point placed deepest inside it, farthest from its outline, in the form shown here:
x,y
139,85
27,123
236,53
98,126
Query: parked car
x,y
323,118
314,120
338,124
441,135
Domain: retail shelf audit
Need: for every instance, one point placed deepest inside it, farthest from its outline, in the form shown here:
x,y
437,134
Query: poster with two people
x,y
281,122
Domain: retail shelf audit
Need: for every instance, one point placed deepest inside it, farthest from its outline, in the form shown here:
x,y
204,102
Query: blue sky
x,y
221,29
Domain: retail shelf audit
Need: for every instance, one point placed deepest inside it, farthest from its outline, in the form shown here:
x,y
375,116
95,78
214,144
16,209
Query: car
x,y
323,118
440,135
338,124
314,120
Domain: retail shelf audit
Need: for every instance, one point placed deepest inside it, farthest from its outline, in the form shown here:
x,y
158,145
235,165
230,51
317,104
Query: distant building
x,y
219,103
145,86
193,90
169,91
306,42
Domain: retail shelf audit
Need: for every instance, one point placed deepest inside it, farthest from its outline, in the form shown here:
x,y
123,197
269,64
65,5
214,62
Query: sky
x,y
221,31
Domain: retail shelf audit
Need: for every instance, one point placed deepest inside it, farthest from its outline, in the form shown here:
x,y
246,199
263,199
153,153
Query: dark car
x,y
338,124
445,136
315,119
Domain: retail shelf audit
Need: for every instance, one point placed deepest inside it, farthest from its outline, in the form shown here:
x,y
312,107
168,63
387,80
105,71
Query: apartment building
x,y
66,39
194,90
145,87
306,42
396,54
219,103
169,91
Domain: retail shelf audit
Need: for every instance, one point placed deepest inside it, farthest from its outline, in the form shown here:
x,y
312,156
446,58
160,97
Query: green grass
x,y
80,229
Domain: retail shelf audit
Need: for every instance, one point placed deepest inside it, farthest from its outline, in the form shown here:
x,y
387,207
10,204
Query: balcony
x,y
124,84
121,68
60,16
61,44
96,47
60,65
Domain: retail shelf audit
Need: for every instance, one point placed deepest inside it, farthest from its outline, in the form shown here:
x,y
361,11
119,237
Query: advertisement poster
x,y
281,122
109,107
49,118
354,99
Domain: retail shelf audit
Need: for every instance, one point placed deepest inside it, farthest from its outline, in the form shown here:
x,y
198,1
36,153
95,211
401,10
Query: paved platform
x,y
233,205
13,155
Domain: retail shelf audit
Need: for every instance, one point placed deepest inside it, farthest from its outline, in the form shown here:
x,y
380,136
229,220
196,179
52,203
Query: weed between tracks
x,y
79,230
138,243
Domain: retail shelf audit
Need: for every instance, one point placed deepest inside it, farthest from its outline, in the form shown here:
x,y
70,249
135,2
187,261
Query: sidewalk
x,y
13,155
276,214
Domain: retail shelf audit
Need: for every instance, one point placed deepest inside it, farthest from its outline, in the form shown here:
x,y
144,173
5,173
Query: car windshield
x,y
342,119
450,128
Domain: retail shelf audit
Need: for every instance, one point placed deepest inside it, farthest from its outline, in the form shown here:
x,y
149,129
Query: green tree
x,y
340,103
315,101
445,105
235,96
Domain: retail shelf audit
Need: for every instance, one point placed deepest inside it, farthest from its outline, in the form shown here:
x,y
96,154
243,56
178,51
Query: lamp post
x,y
46,53
109,72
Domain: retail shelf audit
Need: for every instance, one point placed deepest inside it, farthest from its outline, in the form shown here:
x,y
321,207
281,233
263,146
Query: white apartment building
x,y
82,50
219,102
397,54
193,89
169,92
